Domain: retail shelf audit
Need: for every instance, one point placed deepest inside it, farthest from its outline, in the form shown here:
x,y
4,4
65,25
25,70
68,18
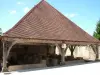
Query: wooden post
x,y
96,50
62,56
52,49
4,68
72,48
62,52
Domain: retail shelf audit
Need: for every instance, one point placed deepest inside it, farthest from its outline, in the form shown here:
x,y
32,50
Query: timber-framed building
x,y
42,29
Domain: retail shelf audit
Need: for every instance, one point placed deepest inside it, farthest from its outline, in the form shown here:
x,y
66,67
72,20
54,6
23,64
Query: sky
x,y
85,13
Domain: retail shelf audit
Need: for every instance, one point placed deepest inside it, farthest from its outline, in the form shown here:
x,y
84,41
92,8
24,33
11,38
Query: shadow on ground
x,y
66,65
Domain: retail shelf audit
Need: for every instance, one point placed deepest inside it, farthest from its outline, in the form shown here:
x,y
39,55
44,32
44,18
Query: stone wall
x,y
82,51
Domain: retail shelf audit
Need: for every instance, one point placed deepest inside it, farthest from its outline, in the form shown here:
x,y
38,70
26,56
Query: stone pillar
x,y
4,68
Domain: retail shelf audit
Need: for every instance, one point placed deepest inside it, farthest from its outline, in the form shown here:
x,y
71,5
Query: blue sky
x,y
85,13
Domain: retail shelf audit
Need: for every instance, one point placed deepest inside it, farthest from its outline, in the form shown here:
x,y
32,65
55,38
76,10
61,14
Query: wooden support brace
x,y
10,47
72,48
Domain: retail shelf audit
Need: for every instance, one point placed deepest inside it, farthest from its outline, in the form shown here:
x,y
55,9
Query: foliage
x,y
97,31
0,31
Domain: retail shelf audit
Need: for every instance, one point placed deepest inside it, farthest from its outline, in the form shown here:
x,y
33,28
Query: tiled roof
x,y
45,22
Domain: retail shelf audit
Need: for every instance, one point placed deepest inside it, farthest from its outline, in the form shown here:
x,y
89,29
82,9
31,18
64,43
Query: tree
x,y
0,31
97,31
97,35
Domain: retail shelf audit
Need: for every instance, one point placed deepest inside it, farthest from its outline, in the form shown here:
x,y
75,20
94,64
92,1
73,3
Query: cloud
x,y
20,3
71,15
26,9
13,12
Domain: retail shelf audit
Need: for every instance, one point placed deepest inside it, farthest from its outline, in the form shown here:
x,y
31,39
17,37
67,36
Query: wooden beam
x,y
50,41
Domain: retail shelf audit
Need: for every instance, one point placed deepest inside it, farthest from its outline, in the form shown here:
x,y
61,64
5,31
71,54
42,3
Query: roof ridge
x,y
24,17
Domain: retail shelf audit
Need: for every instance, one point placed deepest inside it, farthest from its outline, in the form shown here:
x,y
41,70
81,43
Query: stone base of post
x,y
62,63
5,69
